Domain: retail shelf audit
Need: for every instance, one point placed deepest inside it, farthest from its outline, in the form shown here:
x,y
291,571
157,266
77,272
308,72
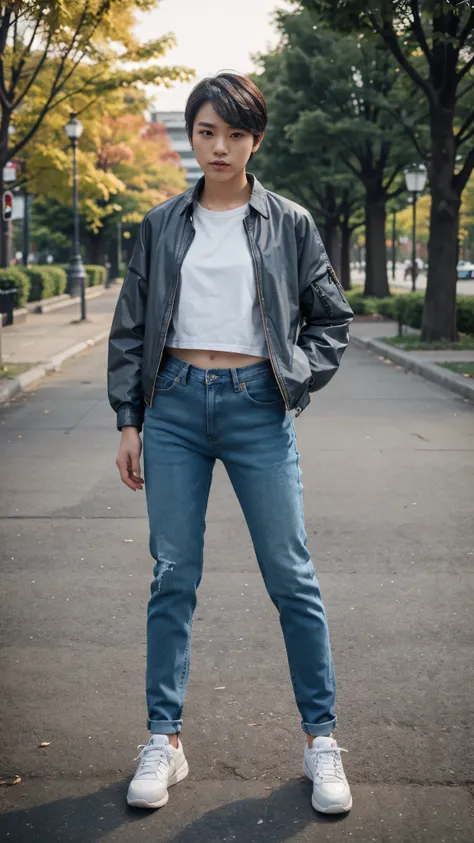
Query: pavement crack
x,y
230,768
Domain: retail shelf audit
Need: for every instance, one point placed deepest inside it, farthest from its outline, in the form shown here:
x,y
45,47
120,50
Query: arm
x,y
126,340
323,306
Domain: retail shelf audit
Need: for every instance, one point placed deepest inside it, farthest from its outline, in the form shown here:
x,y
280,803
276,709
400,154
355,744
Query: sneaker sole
x,y
143,803
337,808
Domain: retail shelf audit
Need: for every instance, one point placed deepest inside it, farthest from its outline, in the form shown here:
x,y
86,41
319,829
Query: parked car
x,y
465,270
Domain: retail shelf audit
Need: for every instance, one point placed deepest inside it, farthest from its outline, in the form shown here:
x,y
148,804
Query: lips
x,y
221,165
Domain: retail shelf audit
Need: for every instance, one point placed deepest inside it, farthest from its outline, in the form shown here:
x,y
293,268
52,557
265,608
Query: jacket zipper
x,y
260,299
333,277
178,270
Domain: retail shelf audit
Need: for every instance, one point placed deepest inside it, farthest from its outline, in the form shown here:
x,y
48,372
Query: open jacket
x,y
305,314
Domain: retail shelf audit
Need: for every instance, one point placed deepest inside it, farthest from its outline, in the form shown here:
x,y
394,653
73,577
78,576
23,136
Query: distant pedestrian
x,y
230,315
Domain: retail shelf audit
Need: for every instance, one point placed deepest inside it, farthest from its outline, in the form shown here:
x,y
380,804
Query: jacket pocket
x,y
323,298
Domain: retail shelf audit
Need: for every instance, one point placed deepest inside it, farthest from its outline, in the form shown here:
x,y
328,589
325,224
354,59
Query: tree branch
x,y
462,73
466,138
467,30
390,37
16,71
419,32
459,139
32,78
392,178
461,179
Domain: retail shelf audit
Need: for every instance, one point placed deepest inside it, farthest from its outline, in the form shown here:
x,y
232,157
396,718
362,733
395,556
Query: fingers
x,y
129,469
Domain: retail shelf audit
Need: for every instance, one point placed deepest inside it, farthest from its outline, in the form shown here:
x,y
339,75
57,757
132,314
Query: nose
x,y
220,145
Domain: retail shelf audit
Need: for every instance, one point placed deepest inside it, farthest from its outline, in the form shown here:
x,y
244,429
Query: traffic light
x,y
7,205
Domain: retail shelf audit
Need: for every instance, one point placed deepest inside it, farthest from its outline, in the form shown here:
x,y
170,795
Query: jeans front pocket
x,y
165,381
264,392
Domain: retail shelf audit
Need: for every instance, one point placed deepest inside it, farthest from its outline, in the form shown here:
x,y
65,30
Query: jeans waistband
x,y
242,374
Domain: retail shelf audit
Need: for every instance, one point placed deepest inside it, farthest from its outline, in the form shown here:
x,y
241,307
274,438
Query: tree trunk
x,y
97,249
376,278
439,314
346,255
330,238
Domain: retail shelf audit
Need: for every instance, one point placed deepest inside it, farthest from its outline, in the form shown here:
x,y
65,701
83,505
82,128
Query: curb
x,y
429,371
14,386
60,302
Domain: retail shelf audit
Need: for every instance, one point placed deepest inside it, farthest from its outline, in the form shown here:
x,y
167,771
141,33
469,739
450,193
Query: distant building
x,y
174,122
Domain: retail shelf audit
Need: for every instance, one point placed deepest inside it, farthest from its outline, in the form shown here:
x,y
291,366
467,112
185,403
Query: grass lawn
x,y
12,370
411,342
466,369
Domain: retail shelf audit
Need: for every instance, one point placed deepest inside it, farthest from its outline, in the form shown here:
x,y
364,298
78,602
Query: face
x,y
222,151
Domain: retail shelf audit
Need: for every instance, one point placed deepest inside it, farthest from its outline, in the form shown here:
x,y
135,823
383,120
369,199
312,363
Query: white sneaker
x,y
323,765
161,765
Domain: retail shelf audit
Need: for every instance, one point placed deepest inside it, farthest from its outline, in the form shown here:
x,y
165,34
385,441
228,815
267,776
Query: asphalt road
x,y
388,474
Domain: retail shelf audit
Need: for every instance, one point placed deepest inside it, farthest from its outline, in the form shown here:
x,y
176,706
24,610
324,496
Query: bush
x,y
13,276
42,282
60,279
408,308
386,307
95,275
411,308
465,314
362,305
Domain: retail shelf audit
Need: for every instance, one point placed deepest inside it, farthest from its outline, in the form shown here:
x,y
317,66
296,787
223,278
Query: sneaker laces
x,y
329,763
154,760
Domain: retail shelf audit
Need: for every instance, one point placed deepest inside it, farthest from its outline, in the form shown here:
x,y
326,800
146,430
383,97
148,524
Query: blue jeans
x,y
239,417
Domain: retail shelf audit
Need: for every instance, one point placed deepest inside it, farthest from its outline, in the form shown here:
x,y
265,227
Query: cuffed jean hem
x,y
165,727
319,729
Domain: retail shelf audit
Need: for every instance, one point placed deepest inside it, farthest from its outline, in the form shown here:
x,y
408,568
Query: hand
x,y
128,459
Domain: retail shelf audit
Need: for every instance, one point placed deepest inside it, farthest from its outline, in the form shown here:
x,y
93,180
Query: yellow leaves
x,y
10,780
44,743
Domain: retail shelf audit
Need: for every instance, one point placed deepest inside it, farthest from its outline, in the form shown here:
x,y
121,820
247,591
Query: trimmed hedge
x,y
60,279
13,276
465,314
408,308
42,283
96,274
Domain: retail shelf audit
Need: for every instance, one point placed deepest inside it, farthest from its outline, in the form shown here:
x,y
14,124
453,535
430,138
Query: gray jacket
x,y
305,314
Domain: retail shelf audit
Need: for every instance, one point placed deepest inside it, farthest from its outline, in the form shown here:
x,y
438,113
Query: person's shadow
x,y
88,819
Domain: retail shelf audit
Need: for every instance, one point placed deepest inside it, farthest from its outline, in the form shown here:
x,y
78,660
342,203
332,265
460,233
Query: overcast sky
x,y
212,35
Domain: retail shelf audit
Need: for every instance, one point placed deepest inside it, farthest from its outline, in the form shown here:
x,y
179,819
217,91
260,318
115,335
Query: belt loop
x,y
185,372
235,380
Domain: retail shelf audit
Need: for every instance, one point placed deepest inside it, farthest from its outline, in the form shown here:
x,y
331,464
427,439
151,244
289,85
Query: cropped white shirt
x,y
217,306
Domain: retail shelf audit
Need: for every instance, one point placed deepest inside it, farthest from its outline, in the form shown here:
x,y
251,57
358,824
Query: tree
x,y
314,179
347,91
44,45
433,42
127,166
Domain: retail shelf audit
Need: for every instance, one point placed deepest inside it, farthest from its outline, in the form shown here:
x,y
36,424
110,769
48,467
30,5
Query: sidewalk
x,y
370,334
46,340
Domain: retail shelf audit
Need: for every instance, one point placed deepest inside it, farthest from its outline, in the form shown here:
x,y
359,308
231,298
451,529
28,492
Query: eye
x,y
205,132
237,134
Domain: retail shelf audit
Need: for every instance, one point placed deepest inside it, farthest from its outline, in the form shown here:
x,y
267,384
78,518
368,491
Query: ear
x,y
258,142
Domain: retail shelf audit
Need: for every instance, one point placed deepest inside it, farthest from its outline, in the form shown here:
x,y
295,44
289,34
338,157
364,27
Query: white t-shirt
x,y
217,305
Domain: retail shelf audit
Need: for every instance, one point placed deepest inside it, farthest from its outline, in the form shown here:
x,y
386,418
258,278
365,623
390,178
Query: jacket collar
x,y
258,198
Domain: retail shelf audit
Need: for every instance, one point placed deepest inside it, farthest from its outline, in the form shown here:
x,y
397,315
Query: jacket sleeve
x,y
126,340
326,314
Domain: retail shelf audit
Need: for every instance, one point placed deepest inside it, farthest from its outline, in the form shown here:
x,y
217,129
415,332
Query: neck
x,y
224,197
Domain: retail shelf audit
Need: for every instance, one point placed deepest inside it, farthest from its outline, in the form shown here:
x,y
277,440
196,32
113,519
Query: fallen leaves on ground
x,y
44,743
10,780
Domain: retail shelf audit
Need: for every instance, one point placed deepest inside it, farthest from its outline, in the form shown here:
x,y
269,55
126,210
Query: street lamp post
x,y
394,244
76,274
415,179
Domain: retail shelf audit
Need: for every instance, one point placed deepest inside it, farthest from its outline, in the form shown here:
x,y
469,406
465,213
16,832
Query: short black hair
x,y
236,99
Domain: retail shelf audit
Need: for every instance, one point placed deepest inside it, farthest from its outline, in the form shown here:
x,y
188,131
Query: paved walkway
x,y
387,464
379,329
45,335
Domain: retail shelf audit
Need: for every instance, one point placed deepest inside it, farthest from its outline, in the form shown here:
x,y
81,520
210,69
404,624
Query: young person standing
x,y
229,317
